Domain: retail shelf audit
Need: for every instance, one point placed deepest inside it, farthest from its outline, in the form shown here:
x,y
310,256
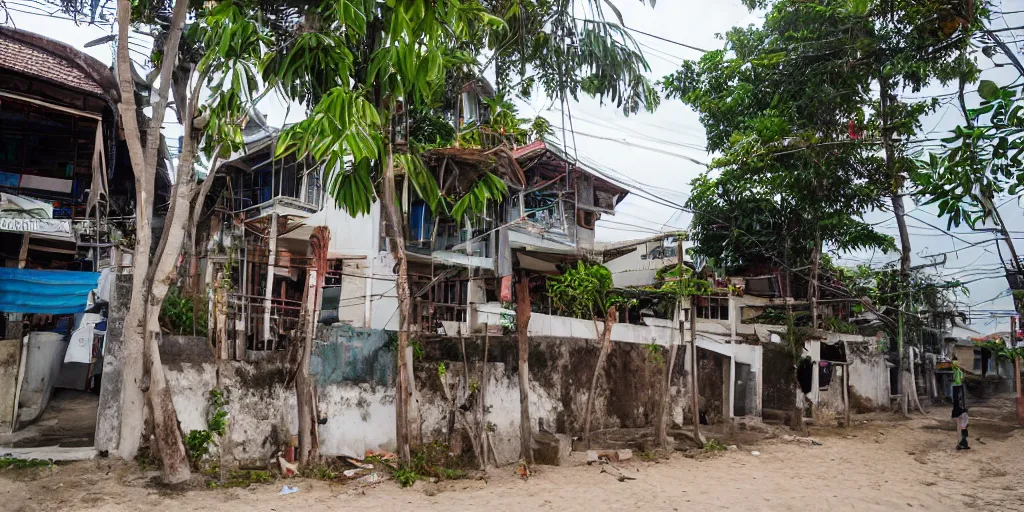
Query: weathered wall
x,y
354,372
108,419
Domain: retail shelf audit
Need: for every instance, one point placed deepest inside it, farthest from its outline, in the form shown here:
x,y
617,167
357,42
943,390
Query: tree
x,y
586,290
790,181
383,56
179,74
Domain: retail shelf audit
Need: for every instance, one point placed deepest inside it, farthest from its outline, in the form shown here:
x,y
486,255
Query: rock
x,y
426,487
610,455
551,449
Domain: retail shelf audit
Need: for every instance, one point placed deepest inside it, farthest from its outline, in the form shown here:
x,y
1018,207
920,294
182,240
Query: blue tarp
x,y
55,292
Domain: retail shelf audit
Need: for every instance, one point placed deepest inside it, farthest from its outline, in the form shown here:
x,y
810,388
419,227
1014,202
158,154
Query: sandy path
x,y
877,465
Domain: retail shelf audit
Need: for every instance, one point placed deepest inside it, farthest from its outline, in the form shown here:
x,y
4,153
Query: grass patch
x,y
241,478
714,445
648,456
16,463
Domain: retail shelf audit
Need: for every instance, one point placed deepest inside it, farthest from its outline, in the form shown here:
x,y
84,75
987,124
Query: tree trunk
x,y
606,347
303,385
812,283
523,313
661,426
165,420
403,392
136,339
899,212
913,381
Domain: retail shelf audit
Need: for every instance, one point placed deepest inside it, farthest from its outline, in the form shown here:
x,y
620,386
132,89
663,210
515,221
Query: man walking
x,y
960,405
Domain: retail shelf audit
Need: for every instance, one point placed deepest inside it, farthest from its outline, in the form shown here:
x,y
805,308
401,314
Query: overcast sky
x,y
656,151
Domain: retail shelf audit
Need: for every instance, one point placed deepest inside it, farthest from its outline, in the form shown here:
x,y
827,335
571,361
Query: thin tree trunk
x,y
913,381
303,387
136,339
694,391
899,212
483,398
403,393
606,347
165,419
812,283
523,313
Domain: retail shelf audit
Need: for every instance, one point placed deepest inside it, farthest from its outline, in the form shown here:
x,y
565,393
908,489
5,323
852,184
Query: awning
x,y
54,292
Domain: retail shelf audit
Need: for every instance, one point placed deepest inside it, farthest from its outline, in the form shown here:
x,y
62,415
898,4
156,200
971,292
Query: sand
x,y
881,463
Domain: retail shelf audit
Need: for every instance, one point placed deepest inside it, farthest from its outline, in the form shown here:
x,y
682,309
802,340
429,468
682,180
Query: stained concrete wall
x,y
354,373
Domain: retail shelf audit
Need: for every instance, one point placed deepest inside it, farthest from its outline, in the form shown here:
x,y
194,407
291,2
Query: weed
x,y
452,474
16,463
405,476
323,473
441,370
199,442
714,445
147,461
648,456
241,478
184,313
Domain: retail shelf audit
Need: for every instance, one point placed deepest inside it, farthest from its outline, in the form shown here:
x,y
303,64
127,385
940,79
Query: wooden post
x,y
522,330
23,252
846,392
694,395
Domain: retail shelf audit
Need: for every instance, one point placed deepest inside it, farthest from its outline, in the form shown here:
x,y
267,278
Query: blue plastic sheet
x,y
55,292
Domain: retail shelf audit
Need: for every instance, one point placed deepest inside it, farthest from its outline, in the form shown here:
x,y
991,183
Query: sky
x,y
656,152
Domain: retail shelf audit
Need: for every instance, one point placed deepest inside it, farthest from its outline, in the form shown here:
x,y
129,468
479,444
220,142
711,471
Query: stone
x,y
610,455
551,449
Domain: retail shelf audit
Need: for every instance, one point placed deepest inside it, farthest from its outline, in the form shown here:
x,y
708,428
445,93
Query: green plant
x,y
197,445
714,445
16,463
199,442
441,370
405,476
655,354
836,324
584,291
184,314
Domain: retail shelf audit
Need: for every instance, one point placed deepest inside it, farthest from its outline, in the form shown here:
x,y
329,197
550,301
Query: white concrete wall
x,y
358,236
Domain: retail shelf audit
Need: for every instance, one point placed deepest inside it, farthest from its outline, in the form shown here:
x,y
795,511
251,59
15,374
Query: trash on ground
x,y
288,490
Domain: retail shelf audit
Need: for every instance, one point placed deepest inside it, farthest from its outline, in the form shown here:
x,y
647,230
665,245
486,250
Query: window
x,y
712,308
470,108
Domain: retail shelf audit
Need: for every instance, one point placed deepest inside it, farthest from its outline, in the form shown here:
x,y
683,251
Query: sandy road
x,y
879,464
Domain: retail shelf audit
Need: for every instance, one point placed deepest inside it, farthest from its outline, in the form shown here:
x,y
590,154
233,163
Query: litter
x,y
372,478
288,490
755,453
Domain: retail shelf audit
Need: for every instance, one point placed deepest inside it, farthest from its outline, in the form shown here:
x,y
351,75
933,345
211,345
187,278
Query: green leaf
x,y
988,90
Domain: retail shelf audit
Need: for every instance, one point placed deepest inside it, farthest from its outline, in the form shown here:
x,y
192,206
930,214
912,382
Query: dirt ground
x,y
881,463
69,420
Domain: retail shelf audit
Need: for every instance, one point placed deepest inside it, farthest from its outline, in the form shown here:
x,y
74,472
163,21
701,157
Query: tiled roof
x,y
35,60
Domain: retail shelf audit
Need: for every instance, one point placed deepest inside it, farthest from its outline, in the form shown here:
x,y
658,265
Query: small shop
x,y
57,154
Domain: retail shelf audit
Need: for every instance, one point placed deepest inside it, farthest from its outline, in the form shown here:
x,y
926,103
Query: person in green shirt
x,y
960,405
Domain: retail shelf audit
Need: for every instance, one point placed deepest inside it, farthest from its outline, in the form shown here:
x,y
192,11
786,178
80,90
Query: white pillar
x,y
269,293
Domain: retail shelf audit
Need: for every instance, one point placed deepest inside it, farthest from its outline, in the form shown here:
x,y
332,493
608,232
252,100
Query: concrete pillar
x,y
730,388
734,320
269,292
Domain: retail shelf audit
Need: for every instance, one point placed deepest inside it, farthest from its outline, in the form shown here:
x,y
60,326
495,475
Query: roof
x,y
537,149
40,57
613,250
